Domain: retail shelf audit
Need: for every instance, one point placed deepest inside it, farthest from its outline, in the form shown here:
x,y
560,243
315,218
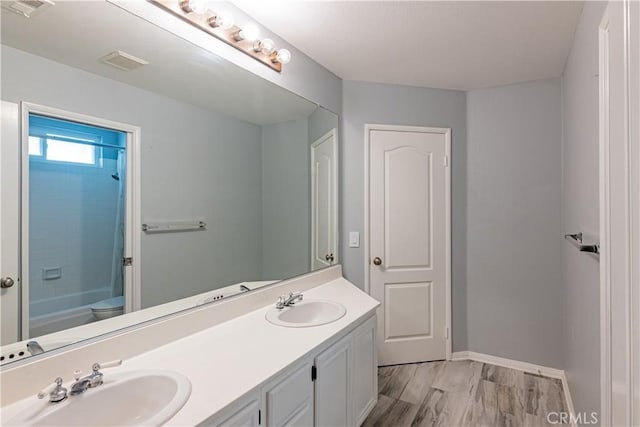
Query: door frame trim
x,y
628,391
605,282
336,200
133,223
367,261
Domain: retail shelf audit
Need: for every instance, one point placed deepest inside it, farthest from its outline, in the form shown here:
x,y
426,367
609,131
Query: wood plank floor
x,y
463,393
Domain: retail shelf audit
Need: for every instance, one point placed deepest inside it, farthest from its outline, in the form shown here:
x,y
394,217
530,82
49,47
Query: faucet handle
x,y
104,365
95,379
55,391
48,389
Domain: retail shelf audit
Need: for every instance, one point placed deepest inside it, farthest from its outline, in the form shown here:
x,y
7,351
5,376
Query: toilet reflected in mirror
x,y
108,308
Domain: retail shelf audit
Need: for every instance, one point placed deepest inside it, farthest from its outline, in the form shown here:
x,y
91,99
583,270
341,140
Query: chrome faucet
x,y
57,393
80,385
34,348
244,288
284,301
92,380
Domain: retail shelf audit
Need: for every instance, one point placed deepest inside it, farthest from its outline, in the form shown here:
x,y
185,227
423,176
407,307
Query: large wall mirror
x,y
155,177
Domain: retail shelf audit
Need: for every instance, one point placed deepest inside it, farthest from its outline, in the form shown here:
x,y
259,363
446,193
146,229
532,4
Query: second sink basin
x,y
307,313
140,398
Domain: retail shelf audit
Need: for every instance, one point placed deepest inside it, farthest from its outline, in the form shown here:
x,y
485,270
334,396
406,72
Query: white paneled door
x,y
408,201
9,217
324,201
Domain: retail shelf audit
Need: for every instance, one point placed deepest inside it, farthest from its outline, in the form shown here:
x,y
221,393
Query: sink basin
x,y
306,313
148,398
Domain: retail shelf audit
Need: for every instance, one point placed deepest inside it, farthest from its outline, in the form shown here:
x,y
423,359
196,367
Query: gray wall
x,y
581,211
286,208
321,121
403,105
514,288
195,163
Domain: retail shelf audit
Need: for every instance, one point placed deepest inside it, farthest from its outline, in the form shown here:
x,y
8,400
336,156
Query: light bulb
x,y
249,33
198,6
226,20
267,46
283,56
222,20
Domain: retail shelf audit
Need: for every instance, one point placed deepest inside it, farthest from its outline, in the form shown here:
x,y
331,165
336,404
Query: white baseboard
x,y
520,366
509,363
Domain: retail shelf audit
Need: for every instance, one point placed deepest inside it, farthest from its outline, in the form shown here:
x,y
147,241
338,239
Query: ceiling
x,y
177,68
440,44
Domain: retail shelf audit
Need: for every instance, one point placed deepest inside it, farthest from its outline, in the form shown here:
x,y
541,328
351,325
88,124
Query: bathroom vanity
x,y
243,369
335,385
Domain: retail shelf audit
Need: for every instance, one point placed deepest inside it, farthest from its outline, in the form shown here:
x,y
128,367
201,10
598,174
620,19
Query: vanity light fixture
x,y
221,25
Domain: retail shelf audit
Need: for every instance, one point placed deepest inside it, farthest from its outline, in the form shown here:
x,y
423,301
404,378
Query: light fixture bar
x,y
232,35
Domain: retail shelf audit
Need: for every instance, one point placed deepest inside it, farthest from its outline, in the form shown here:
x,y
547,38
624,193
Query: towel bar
x,y
174,226
576,239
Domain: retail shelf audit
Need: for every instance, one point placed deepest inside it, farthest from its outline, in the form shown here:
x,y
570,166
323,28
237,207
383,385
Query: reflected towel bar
x,y
576,239
163,227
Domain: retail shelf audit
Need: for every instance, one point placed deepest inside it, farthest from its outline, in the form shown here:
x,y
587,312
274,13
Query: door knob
x,y
377,261
6,282
329,257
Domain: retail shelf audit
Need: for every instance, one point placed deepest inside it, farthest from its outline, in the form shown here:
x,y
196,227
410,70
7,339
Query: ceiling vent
x,y
27,8
123,60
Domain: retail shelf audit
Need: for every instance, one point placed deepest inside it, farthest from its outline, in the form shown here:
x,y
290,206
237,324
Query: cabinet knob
x,y
377,261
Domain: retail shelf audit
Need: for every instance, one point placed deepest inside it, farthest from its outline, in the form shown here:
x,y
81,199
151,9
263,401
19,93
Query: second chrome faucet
x,y
284,301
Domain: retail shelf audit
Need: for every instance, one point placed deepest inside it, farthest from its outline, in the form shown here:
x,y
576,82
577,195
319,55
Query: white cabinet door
x,y
245,413
290,401
364,375
332,385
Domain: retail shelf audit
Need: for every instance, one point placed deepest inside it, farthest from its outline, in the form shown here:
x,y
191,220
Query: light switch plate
x,y
354,239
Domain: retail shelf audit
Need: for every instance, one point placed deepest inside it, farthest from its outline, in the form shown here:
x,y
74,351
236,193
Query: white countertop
x,y
228,360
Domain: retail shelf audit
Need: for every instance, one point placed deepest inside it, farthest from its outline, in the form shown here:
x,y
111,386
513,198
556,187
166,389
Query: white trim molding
x,y
447,132
619,111
524,367
605,244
